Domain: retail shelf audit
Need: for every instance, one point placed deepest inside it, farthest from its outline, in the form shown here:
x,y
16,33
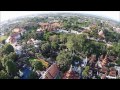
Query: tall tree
x,y
46,48
64,60
54,45
85,72
7,49
33,75
53,38
38,66
11,68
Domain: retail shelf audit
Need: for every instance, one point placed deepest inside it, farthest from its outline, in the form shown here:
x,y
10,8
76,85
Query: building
x,y
118,30
85,60
34,42
75,32
13,38
112,73
40,30
104,70
71,74
101,34
61,31
103,76
118,69
18,49
16,35
19,30
51,73
103,60
50,26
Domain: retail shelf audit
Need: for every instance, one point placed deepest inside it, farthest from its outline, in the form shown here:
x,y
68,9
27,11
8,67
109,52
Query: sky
x,y
6,15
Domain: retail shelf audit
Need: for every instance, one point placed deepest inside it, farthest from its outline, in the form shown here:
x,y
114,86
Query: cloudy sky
x,y
6,15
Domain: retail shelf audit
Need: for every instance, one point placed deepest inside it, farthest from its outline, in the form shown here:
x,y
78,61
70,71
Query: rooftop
x,y
51,72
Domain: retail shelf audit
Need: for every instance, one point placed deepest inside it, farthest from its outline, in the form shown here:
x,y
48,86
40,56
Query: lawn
x,y
3,38
46,64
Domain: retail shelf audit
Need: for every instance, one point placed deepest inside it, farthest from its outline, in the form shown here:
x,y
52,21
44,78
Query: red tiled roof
x,y
70,75
51,72
49,26
112,73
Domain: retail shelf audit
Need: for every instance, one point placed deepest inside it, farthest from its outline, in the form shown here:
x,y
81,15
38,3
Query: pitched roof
x,y
101,57
101,33
112,73
56,24
104,61
104,70
51,72
43,24
70,74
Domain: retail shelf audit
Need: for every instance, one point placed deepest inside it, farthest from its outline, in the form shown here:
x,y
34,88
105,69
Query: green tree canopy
x,y
85,71
54,38
64,59
46,47
11,67
33,75
3,75
38,65
54,45
7,49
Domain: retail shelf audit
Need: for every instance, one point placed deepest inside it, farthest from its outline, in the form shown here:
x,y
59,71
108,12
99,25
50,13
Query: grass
x,y
46,64
3,38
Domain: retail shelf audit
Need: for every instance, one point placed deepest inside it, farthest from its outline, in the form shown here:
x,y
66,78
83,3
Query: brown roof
x,y
56,24
50,26
104,70
44,24
52,71
70,74
112,69
101,33
112,73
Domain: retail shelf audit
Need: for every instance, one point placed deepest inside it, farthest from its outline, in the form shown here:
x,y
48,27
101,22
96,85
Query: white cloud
x,y
5,15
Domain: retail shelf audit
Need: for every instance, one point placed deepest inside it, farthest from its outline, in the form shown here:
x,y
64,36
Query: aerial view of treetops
x,y
60,46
